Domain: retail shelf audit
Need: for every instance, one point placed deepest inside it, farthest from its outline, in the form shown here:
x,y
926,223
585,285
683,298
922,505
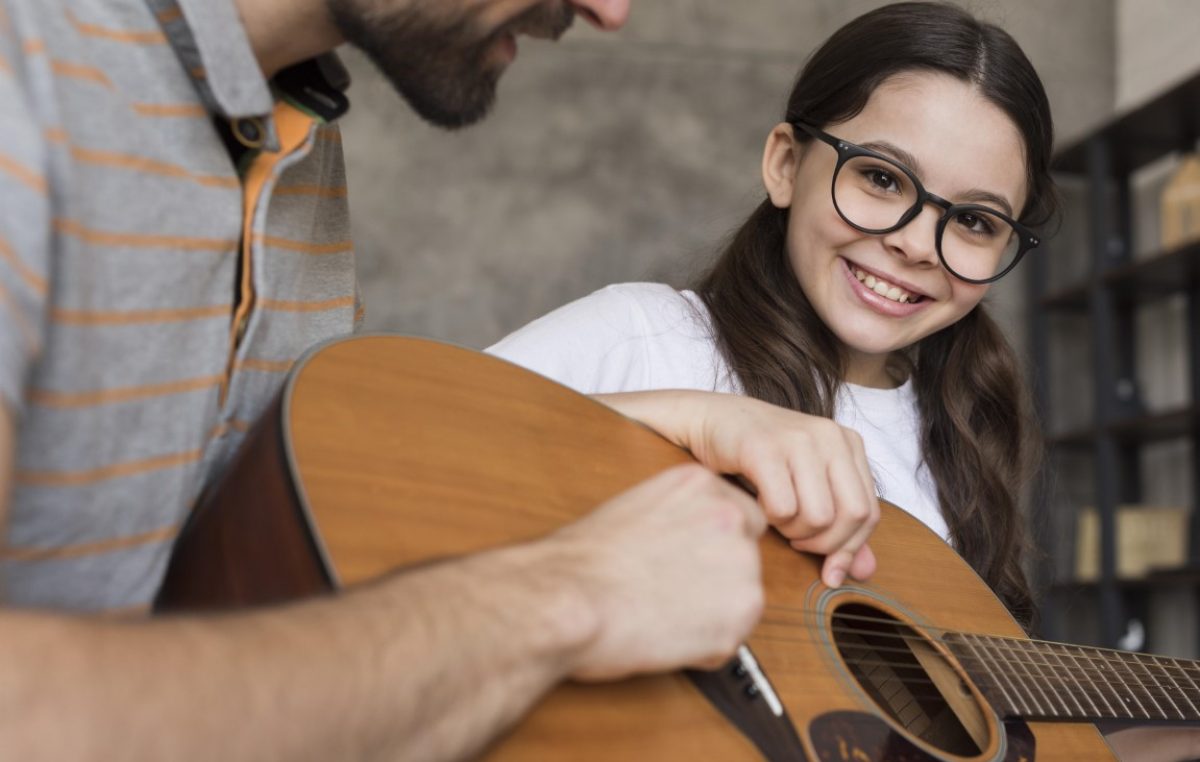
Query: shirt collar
x,y
213,48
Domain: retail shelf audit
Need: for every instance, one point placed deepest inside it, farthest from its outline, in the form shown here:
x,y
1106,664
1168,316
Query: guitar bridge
x,y
742,693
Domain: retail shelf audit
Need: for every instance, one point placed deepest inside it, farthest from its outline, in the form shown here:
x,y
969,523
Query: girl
x,y
910,171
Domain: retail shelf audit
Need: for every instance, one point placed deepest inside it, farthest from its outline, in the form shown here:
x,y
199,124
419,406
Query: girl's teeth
x,y
883,288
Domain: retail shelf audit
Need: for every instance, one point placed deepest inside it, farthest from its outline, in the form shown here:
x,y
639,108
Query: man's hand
x,y
810,473
672,571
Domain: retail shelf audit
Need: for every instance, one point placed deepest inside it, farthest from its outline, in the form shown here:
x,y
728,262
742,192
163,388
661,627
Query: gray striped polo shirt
x,y
152,293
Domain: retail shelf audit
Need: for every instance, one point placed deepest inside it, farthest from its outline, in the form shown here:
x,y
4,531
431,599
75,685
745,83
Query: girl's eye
x,y
881,179
976,223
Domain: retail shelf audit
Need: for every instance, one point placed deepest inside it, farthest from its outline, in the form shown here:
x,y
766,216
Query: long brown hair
x,y
978,435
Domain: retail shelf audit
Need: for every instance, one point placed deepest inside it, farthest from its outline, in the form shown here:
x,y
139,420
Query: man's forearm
x,y
426,665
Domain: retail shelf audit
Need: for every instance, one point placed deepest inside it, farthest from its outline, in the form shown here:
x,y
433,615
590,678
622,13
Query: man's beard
x,y
438,64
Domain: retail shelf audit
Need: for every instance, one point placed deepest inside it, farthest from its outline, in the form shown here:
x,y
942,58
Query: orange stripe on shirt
x,y
267,366
337,247
137,317
150,166
296,306
33,46
170,109
79,71
115,471
234,424
327,191
84,549
169,15
36,282
136,37
142,240
57,399
23,174
56,135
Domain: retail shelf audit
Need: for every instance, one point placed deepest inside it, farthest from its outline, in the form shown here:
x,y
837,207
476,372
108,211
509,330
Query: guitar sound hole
x,y
908,679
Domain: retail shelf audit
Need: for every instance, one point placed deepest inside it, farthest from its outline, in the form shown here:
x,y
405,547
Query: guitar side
x,y
393,452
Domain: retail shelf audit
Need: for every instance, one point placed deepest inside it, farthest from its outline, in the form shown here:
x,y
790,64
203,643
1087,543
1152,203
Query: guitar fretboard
x,y
1053,681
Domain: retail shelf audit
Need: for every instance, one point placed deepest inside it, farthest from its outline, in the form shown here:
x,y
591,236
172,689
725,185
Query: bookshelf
x,y
1106,305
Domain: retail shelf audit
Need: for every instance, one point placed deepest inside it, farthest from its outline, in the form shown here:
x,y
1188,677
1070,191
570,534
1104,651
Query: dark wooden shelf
x,y
1140,429
1154,277
1143,133
1070,298
1155,579
1142,280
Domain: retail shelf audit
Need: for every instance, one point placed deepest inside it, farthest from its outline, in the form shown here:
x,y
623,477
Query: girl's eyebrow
x,y
975,195
897,153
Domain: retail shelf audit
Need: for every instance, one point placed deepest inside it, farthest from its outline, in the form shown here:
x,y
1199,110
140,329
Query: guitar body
x,y
386,452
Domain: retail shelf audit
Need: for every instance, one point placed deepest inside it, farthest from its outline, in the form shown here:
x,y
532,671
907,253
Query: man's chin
x,y
452,119
451,110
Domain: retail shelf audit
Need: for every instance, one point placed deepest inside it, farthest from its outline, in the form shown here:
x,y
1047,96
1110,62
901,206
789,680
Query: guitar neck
x,y
1038,680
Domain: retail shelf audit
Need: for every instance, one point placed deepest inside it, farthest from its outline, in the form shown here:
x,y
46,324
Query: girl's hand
x,y
810,473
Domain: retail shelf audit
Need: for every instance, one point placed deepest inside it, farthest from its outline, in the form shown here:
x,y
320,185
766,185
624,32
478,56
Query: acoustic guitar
x,y
385,452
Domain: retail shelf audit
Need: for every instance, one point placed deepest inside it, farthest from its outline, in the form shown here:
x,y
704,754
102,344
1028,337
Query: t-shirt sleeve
x,y
24,230
593,345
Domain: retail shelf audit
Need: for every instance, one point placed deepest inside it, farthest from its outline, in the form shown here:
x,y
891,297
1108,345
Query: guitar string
x,y
1098,712
1100,666
1056,675
1090,670
1106,656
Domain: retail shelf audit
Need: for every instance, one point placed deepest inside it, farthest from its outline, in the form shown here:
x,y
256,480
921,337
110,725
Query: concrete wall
x,y
623,157
1155,47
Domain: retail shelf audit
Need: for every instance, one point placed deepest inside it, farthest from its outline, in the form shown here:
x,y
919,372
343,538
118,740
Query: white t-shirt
x,y
636,337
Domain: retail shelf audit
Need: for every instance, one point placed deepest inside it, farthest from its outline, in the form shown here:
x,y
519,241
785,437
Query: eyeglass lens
x,y
875,195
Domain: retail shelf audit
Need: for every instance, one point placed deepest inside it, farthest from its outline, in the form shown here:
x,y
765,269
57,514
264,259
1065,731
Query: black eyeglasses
x,y
876,194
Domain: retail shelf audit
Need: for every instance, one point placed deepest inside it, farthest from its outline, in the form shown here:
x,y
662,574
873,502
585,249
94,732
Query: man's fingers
x,y
756,519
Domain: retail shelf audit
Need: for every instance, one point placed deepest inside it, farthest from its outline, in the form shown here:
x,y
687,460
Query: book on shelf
x,y
1147,538
1180,205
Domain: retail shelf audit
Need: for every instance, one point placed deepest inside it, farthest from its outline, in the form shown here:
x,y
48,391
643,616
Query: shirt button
x,y
250,132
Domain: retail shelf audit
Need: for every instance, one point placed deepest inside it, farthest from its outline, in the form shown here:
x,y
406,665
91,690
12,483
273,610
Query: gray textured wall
x,y
623,157
1155,46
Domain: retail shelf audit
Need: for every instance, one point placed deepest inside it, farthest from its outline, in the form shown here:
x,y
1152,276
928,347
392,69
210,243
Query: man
x,y
173,234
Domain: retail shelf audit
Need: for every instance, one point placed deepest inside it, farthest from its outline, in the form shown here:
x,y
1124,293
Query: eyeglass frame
x,y
847,150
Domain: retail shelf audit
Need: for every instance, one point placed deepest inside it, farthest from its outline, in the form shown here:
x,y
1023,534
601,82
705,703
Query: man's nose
x,y
608,15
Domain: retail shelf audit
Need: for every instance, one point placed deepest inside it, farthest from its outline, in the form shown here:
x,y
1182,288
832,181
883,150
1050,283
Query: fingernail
x,y
836,577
